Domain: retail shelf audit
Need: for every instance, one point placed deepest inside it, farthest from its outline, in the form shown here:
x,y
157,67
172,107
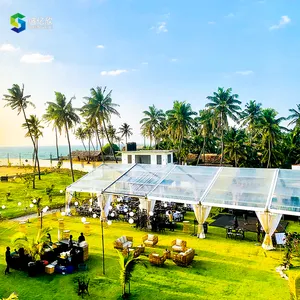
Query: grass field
x,y
20,193
222,269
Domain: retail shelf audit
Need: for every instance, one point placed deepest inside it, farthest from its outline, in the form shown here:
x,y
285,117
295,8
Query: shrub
x,y
106,149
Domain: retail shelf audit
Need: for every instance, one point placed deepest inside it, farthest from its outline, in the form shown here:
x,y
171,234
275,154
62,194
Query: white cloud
x,y
113,72
36,58
145,63
100,46
161,27
284,20
211,22
8,48
174,59
244,73
231,15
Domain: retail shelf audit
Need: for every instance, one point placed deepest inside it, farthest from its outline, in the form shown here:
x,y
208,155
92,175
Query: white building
x,y
153,157
296,167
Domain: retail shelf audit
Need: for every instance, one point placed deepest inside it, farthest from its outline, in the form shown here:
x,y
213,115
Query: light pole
x,y
102,220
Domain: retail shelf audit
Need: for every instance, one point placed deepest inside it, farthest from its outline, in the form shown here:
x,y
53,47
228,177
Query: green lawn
x,y
222,269
20,193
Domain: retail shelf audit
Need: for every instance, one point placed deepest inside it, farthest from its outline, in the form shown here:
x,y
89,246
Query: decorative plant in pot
x,y
33,246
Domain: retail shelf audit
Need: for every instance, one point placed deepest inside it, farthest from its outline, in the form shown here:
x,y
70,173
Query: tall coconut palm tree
x,y
224,105
180,122
88,130
112,132
205,128
294,116
17,100
269,130
80,134
234,144
126,131
65,116
250,117
151,121
35,129
50,117
99,108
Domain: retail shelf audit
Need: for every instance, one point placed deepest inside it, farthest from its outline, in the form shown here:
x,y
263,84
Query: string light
x,y
131,221
109,222
19,203
94,216
131,214
83,219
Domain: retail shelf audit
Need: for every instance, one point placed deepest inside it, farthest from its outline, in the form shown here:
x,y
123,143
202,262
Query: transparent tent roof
x,y
239,188
184,184
140,180
98,179
286,197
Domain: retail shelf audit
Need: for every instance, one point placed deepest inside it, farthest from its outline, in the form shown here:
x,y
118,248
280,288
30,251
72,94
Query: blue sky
x,y
150,52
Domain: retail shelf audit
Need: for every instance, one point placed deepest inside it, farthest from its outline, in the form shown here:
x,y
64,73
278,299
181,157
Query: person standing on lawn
x,y
8,260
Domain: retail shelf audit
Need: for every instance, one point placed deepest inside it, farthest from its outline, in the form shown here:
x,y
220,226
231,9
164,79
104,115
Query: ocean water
x,y
45,152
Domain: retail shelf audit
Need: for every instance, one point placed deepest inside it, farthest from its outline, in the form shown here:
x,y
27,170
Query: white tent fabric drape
x,y
269,223
69,196
104,203
201,213
144,204
152,205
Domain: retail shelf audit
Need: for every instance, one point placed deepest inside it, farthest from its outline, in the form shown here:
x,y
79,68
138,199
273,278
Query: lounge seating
x,y
178,245
156,259
184,258
150,240
123,242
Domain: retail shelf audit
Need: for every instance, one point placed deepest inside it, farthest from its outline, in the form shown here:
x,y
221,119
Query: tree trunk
x,y
126,139
56,143
93,144
111,147
235,160
34,168
202,151
83,144
269,159
102,155
70,152
222,141
37,157
89,157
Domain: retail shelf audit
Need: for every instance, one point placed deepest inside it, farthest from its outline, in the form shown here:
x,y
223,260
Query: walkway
x,y
32,216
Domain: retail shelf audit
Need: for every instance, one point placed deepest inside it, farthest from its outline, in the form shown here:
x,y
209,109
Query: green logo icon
x,y
18,24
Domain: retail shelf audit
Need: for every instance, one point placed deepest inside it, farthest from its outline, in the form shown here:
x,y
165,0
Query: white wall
x,y
296,167
164,158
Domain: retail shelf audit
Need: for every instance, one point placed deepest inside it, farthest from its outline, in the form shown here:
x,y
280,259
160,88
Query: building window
x,y
169,158
129,159
158,159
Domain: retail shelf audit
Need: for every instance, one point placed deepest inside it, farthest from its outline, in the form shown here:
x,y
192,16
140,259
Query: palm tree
x,y
180,122
294,116
224,105
127,262
35,129
151,121
65,116
111,130
99,108
269,132
17,100
80,134
125,130
250,116
50,117
34,247
205,122
235,147
88,131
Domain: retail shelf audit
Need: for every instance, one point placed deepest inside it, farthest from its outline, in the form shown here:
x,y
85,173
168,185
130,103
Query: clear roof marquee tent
x,y
273,190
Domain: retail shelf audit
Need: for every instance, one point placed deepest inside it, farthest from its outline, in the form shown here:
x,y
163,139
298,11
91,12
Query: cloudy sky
x,y
148,52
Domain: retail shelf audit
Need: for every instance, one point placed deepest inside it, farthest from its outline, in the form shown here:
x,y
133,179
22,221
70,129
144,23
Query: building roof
x,y
148,151
277,191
